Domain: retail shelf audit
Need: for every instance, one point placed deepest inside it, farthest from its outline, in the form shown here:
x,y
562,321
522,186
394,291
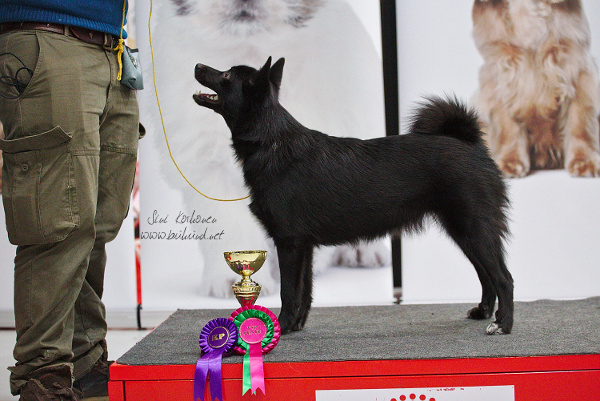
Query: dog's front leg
x,y
580,133
291,257
306,287
509,143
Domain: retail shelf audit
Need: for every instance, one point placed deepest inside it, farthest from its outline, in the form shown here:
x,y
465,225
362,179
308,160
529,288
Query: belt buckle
x,y
109,42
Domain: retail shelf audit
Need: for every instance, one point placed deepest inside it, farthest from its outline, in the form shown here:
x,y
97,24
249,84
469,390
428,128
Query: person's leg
x,y
119,135
51,151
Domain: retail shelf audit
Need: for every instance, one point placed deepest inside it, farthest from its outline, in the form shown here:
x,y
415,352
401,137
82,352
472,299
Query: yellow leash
x,y
161,115
119,47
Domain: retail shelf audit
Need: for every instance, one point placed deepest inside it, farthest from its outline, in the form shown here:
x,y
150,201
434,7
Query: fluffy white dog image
x,y
538,87
333,83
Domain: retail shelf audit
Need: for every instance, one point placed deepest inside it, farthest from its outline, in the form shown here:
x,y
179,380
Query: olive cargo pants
x,y
70,149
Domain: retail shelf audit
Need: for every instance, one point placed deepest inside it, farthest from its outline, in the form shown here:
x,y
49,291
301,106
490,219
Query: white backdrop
x,y
174,272
555,219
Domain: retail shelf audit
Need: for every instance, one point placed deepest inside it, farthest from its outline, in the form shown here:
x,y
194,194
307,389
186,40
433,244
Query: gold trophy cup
x,y
246,263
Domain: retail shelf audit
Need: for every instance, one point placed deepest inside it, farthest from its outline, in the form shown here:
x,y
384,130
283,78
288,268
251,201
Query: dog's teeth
x,y
209,96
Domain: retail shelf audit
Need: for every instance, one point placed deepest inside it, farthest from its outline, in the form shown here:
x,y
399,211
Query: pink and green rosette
x,y
258,333
217,338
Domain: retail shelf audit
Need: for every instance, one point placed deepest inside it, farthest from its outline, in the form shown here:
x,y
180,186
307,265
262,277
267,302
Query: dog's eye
x,y
226,75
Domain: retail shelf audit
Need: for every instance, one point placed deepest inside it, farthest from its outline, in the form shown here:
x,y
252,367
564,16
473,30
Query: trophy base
x,y
246,294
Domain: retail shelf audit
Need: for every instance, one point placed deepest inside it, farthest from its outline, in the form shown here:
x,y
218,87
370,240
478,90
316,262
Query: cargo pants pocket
x,y
39,191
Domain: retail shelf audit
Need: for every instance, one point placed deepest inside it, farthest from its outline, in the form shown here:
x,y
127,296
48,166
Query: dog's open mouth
x,y
210,100
207,77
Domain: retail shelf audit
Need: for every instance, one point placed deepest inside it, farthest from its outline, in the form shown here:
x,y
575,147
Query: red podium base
x,y
568,378
387,353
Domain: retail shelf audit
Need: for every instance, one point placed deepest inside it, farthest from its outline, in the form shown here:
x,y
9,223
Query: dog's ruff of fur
x,y
539,94
311,189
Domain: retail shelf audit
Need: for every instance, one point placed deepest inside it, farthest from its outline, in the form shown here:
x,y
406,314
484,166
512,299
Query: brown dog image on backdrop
x,y
539,95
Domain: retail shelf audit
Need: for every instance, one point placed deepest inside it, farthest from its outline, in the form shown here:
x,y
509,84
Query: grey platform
x,y
393,332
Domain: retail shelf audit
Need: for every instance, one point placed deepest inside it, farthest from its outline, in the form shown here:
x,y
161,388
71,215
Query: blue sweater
x,y
98,15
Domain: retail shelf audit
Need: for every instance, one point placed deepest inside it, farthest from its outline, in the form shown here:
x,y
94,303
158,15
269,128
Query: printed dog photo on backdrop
x,y
318,36
539,95
309,189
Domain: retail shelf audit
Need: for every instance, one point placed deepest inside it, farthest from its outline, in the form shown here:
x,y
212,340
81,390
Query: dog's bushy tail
x,y
448,117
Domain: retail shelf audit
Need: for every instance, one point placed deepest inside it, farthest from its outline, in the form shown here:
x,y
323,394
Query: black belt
x,y
107,41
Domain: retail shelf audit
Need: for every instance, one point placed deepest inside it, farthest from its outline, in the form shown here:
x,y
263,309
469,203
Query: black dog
x,y
310,189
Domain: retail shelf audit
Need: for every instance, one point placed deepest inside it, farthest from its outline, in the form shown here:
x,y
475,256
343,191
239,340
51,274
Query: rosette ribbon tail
x,y
258,334
216,339
256,368
209,365
215,377
253,373
200,378
247,374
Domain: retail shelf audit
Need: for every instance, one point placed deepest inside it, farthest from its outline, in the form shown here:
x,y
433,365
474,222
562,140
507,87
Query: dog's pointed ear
x,y
267,65
262,78
277,72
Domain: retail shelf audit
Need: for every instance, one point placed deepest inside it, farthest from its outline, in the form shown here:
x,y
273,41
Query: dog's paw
x,y
494,328
322,259
374,254
286,323
299,325
499,327
479,312
285,328
218,288
585,165
301,319
512,168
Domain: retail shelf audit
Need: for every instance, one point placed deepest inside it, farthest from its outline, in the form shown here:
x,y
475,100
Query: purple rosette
x,y
217,338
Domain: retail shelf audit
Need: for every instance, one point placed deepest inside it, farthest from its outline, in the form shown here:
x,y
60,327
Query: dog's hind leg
x,y
505,290
482,245
488,259
292,257
485,309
